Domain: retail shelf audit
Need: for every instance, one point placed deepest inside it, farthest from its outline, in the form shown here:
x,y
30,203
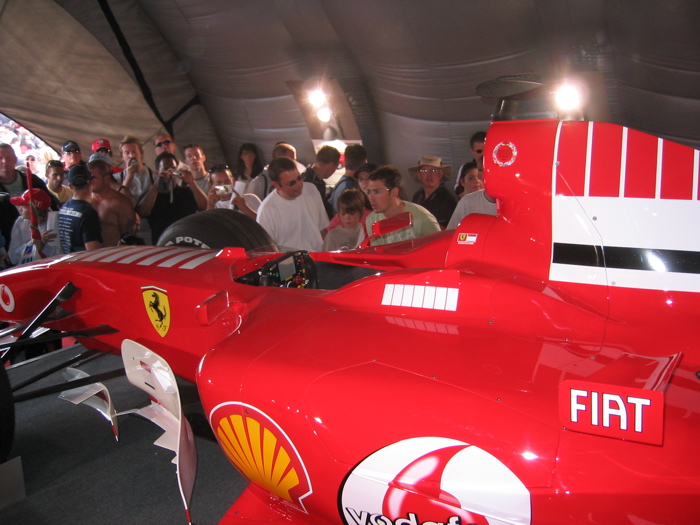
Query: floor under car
x,y
75,472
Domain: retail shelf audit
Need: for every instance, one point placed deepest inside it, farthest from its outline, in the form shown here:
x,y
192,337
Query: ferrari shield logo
x,y
157,308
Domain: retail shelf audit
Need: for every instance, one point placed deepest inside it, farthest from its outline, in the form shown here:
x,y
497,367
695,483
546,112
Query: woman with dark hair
x,y
470,179
250,163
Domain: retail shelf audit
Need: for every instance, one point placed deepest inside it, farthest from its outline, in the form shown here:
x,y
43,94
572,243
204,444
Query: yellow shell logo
x,y
262,452
157,308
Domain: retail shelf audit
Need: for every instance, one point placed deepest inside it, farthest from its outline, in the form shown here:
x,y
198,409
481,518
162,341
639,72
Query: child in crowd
x,y
22,247
351,232
362,175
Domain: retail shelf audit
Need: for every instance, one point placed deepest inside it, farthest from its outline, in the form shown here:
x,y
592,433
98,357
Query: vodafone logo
x,y
7,300
433,481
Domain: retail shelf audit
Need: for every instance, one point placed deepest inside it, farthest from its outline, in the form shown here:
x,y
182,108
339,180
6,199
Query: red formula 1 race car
x,y
535,367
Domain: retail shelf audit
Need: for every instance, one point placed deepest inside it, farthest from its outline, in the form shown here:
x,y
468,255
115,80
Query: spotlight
x,y
324,114
317,98
568,98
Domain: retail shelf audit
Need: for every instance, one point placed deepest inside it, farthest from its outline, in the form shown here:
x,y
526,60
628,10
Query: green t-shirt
x,y
422,223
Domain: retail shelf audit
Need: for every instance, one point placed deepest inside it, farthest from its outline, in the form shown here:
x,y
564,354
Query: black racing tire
x,y
7,415
217,229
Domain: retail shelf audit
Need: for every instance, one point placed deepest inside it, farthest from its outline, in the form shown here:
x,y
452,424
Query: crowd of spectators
x,y
30,150
84,202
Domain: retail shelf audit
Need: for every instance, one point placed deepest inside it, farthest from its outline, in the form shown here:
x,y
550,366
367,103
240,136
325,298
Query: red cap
x,y
101,143
41,199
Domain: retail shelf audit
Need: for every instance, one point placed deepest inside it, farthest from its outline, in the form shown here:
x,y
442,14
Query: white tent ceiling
x,y
216,71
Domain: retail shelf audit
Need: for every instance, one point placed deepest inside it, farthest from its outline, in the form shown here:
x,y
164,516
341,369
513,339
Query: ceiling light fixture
x,y
317,98
324,114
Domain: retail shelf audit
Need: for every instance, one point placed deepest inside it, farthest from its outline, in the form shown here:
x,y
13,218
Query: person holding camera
x,y
223,193
174,196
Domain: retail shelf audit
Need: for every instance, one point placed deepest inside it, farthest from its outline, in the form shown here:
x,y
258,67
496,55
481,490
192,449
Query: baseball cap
x,y
79,175
101,143
71,145
41,199
100,156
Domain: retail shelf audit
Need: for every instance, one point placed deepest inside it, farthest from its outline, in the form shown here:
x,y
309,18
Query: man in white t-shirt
x,y
293,214
477,202
195,159
261,184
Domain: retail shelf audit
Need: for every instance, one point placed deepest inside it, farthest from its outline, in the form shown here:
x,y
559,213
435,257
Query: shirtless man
x,y
117,215
118,187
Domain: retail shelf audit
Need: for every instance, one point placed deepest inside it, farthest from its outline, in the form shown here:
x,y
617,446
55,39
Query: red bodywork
x,y
538,367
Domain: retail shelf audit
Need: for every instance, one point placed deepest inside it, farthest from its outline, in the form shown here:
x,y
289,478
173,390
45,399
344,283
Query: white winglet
x,y
95,395
151,373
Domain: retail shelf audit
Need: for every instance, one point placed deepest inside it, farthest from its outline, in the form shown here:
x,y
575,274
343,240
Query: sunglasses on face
x,y
72,152
479,150
163,143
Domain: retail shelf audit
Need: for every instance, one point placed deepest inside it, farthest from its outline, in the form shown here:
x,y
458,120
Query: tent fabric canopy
x,y
215,72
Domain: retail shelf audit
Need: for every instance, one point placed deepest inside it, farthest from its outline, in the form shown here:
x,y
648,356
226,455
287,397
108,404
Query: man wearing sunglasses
x,y
164,143
476,145
71,155
104,146
262,185
293,214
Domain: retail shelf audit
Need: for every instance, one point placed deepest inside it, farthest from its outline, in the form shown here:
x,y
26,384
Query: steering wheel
x,y
294,269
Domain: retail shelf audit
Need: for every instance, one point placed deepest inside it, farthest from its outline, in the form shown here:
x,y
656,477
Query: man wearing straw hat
x,y
434,196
